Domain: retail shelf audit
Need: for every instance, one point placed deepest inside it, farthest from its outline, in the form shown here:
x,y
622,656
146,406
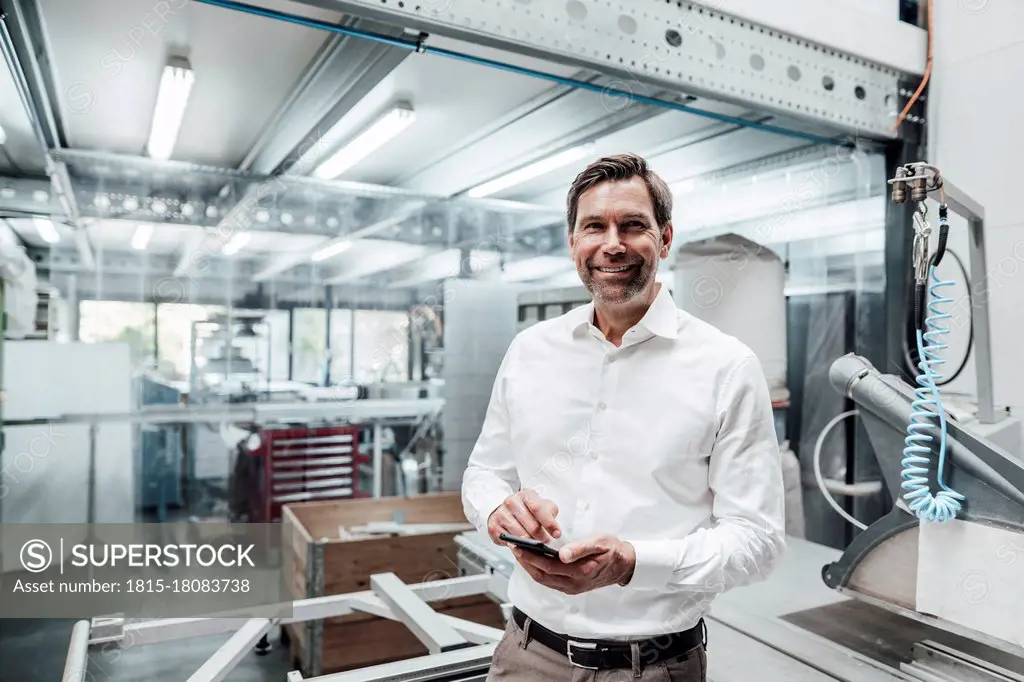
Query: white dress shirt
x,y
667,442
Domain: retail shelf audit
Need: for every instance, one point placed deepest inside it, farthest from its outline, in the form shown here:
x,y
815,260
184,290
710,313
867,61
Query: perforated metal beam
x,y
682,46
28,196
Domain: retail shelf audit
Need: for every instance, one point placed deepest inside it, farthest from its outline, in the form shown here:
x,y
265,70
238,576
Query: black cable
x,y
943,237
916,319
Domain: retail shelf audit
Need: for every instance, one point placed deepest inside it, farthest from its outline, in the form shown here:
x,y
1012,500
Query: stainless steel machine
x,y
946,554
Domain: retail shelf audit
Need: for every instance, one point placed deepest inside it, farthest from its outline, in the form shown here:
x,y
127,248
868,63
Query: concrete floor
x,y
35,651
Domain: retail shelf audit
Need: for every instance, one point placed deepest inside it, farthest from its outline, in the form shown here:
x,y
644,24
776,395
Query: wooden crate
x,y
321,563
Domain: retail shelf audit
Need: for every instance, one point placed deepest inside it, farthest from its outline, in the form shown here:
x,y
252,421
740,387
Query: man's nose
x,y
612,241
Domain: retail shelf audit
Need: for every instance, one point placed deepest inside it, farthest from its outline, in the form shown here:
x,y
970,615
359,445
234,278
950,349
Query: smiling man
x,y
639,441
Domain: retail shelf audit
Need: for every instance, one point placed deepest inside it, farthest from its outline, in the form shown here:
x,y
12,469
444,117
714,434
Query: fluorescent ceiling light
x,y
684,186
3,135
140,240
382,131
534,170
175,88
236,243
47,231
331,250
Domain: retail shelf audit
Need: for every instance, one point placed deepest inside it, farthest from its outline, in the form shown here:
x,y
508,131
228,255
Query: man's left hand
x,y
583,565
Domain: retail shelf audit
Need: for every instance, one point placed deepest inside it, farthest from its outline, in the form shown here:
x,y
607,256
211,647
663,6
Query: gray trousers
x,y
517,658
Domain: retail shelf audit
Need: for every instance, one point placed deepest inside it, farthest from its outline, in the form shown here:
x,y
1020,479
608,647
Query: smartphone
x,y
530,545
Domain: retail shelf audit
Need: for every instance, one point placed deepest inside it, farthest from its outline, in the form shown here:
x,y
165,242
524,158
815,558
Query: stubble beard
x,y
618,292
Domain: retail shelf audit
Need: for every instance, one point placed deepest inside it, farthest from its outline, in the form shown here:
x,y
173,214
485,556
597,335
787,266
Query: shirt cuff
x,y
655,562
482,504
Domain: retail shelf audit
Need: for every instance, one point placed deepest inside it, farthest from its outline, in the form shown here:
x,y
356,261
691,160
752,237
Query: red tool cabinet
x,y
304,464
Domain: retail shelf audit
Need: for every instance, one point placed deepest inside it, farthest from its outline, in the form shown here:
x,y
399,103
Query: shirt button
x,y
593,455
609,359
601,405
584,506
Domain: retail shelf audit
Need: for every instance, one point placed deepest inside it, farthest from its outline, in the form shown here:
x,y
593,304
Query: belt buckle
x,y
580,645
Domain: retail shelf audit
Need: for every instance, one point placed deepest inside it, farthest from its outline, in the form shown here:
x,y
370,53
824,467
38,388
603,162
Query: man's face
x,y
616,243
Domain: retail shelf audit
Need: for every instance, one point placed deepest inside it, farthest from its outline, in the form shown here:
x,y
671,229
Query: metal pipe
x,y
77,663
364,410
980,321
966,207
378,460
892,402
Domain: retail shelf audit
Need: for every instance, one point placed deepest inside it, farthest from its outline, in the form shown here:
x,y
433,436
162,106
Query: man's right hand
x,y
526,515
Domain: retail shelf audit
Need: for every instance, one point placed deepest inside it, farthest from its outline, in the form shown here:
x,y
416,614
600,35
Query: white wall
x,y
975,138
480,321
44,469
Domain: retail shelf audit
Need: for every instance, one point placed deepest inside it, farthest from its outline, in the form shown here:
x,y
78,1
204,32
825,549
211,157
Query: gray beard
x,y
617,293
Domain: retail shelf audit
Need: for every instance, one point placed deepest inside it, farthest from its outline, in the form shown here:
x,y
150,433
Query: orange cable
x,y
927,72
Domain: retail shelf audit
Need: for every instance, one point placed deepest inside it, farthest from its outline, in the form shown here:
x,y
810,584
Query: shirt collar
x,y
661,318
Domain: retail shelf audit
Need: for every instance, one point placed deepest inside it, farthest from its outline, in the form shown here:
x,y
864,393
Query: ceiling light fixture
x,y
171,100
331,250
236,243
3,136
383,130
46,229
534,170
140,240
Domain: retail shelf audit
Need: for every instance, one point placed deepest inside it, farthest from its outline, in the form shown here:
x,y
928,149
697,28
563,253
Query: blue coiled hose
x,y
927,410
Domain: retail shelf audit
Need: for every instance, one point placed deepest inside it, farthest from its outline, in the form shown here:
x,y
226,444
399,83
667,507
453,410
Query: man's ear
x,y
666,240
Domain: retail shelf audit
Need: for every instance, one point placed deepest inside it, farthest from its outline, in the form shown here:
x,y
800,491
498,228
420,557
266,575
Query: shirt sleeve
x,y
747,535
491,474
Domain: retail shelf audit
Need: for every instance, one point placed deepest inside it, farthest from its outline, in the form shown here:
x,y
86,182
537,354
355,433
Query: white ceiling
x,y
108,56
473,122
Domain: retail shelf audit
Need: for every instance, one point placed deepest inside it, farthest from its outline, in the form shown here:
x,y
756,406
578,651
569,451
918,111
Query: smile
x,y
618,268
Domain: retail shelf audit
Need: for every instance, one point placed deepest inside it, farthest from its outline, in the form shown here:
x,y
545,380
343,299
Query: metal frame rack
x,y
462,650
452,642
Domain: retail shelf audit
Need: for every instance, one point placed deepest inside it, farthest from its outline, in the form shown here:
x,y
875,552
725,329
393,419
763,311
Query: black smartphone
x,y
530,545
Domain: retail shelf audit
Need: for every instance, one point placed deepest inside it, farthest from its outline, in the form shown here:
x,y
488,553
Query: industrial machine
x,y
946,554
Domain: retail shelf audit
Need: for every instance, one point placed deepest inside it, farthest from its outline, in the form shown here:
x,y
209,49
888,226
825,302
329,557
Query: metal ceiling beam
x,y
24,197
31,45
289,260
26,48
92,170
158,267
437,266
340,76
681,46
65,194
132,187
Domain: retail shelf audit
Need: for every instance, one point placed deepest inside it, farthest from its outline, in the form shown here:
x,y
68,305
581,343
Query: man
x,y
638,440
